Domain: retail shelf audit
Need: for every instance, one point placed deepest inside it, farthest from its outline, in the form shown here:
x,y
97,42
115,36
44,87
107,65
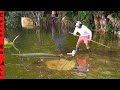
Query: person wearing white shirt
x,y
85,36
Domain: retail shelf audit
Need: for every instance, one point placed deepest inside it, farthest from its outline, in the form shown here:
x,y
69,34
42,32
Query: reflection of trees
x,y
37,17
57,19
13,20
51,25
60,41
57,34
105,39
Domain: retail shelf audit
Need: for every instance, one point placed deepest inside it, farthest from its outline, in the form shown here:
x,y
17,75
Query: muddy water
x,y
104,63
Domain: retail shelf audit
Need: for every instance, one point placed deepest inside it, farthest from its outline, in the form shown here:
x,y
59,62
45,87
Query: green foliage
x,y
69,14
12,20
116,15
98,13
82,16
110,28
85,17
7,43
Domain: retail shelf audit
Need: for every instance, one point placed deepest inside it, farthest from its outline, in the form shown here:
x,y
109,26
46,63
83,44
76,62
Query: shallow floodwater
x,y
104,63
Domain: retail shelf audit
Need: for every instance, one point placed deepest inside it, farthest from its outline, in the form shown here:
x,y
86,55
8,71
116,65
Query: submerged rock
x,y
61,64
27,23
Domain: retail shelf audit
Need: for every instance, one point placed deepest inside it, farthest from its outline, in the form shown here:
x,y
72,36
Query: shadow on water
x,y
104,63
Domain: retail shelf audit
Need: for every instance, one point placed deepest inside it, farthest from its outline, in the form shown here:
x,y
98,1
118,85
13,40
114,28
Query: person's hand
x,y
71,33
74,34
89,40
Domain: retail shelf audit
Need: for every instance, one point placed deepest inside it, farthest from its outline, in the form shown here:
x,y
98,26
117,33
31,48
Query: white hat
x,y
78,23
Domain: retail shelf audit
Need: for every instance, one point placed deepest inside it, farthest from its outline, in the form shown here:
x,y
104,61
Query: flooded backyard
x,y
104,63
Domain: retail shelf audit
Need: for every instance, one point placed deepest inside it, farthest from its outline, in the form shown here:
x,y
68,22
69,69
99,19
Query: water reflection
x,y
60,41
58,35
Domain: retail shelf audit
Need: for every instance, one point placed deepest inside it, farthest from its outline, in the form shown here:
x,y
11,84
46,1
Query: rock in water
x,y
61,64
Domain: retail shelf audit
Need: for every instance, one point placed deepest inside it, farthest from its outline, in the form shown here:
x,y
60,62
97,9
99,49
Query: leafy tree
x,y
86,18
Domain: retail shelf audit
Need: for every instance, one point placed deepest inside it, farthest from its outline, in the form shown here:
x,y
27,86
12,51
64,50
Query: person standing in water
x,y
85,36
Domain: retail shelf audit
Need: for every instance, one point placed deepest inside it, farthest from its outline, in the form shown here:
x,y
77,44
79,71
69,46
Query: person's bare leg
x,y
78,43
77,46
76,49
87,46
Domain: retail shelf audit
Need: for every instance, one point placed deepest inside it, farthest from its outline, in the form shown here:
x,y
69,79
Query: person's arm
x,y
75,31
90,32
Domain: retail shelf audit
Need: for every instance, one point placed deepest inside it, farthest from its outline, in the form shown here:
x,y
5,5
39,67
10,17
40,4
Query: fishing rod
x,y
92,41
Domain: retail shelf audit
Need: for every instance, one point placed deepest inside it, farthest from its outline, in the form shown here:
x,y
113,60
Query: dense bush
x,y
12,20
86,17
